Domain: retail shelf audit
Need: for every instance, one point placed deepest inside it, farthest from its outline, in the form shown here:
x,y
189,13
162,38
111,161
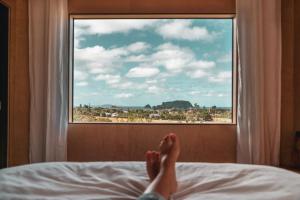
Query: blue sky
x,y
134,62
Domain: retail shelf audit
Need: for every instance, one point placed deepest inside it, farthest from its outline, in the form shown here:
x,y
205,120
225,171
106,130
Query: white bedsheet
x,y
127,180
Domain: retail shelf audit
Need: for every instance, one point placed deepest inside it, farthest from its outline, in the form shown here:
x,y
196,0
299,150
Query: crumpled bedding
x,y
128,180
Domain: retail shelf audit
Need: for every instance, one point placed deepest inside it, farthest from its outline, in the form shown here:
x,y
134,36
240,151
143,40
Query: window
x,y
152,70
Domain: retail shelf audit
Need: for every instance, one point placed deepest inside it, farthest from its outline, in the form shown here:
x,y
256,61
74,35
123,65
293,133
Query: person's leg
x,y
164,184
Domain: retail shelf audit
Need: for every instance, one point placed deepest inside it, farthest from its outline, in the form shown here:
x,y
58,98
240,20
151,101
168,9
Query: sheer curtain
x,y
48,23
259,104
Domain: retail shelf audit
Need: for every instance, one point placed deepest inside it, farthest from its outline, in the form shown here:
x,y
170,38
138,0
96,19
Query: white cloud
x,y
80,75
99,56
109,78
151,81
136,58
183,29
225,58
221,77
199,68
155,89
87,94
124,95
177,59
99,70
103,64
210,93
138,47
99,60
197,74
94,93
202,64
107,26
195,92
172,57
140,72
122,85
82,83
118,82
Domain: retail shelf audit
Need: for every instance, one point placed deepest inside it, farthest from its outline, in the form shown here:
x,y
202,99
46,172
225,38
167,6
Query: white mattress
x,y
127,180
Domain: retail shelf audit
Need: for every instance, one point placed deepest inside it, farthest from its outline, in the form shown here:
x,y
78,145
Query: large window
x,y
142,70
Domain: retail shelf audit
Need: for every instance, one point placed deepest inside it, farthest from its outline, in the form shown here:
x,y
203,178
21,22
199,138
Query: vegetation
x,y
167,112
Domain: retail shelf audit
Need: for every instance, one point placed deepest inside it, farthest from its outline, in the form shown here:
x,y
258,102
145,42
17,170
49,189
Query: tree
x,y
214,109
207,117
147,106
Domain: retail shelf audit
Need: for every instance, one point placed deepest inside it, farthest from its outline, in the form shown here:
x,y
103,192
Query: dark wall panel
x,y
3,84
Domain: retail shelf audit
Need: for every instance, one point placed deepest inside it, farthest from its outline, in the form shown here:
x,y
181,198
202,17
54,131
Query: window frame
x,y
234,82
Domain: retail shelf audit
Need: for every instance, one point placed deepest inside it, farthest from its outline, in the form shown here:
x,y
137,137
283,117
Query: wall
x,y
18,144
290,118
152,6
296,155
287,97
92,142
297,66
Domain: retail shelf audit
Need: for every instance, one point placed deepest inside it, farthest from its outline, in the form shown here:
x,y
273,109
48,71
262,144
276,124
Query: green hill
x,y
179,104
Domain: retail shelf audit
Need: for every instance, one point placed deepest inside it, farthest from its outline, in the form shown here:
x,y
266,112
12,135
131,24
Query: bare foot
x,y
170,148
164,182
152,164
169,152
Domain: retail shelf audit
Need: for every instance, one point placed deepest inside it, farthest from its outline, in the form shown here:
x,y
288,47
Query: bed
x,y
127,180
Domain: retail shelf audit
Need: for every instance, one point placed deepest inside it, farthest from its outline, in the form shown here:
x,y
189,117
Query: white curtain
x,y
48,54
259,85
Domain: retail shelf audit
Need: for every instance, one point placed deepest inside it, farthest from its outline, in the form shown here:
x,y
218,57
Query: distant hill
x,y
120,107
106,106
180,104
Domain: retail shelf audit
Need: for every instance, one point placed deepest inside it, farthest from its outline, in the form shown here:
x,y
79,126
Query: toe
x,y
164,146
149,164
175,141
156,157
153,156
175,149
148,156
156,163
172,136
